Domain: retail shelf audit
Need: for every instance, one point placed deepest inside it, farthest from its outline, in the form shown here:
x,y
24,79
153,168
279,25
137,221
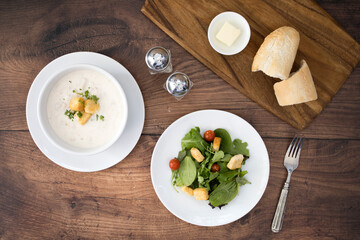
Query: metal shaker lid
x,y
178,84
157,58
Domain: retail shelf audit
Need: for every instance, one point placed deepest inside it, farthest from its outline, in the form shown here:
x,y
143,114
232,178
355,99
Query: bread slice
x,y
299,88
276,55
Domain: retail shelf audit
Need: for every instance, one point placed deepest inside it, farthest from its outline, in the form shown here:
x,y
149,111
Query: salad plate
x,y
186,207
128,139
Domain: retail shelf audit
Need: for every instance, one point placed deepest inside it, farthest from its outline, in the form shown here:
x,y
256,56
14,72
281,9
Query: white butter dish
x,y
238,22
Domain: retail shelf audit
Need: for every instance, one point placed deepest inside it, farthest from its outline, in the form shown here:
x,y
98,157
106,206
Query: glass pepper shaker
x,y
178,84
158,60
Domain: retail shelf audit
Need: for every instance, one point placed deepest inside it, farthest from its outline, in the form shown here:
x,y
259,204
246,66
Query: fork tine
x,y
301,141
290,147
295,147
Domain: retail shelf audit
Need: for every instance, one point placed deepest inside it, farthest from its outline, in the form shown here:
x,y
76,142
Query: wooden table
x,y
39,199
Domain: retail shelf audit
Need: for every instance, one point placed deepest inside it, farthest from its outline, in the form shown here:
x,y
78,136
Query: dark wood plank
x,y
344,12
42,200
330,52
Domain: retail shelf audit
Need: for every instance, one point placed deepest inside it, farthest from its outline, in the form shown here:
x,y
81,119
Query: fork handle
x,y
280,209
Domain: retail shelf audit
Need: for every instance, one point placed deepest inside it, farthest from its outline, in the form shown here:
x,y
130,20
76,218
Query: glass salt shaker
x,y
158,60
178,84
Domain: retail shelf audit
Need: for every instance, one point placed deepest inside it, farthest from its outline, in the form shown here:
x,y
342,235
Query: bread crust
x,y
277,53
299,88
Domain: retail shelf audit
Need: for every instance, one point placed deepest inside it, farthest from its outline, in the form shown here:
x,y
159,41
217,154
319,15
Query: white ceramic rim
x,y
237,50
41,115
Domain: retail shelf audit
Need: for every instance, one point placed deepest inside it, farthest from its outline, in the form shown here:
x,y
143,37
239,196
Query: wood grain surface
x,y
40,200
331,53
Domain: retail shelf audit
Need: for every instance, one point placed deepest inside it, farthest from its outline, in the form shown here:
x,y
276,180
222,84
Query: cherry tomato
x,y
215,167
174,164
209,135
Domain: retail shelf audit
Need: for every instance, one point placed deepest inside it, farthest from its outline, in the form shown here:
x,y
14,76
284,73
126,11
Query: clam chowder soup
x,y
85,109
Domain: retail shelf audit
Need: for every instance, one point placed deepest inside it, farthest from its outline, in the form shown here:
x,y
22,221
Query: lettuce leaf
x,y
241,147
217,156
227,176
242,181
194,139
181,155
226,158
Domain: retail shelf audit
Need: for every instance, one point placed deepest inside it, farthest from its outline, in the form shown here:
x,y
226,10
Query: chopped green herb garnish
x,y
82,102
94,98
73,90
87,95
70,114
69,81
97,117
79,114
80,89
102,117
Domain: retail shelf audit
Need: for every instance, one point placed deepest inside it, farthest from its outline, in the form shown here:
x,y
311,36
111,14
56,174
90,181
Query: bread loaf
x,y
299,88
276,54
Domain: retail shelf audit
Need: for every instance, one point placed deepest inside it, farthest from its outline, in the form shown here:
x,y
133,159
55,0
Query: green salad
x,y
209,167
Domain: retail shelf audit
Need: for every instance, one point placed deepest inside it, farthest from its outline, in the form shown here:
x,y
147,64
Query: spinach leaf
x,y
181,155
227,176
197,164
226,158
187,171
224,193
194,139
223,167
241,180
228,146
213,176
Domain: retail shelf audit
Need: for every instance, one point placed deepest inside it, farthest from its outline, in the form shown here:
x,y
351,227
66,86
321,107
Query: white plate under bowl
x,y
199,212
128,139
237,21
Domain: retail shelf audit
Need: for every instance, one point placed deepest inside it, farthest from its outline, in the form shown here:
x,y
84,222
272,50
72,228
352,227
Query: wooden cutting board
x,y
330,52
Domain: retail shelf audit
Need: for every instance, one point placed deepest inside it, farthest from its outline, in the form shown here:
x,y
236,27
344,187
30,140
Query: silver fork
x,y
291,162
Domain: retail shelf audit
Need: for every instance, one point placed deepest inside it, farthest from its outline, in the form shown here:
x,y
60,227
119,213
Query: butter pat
x,y
228,34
